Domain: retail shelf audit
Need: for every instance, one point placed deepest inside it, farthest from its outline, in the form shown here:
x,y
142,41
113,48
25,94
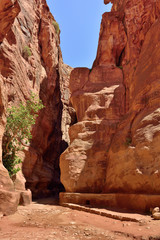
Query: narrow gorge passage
x,y
97,138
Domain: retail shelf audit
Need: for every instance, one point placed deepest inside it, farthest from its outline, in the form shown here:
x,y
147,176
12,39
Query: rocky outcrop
x,y
41,164
31,61
133,162
115,143
9,9
98,110
8,198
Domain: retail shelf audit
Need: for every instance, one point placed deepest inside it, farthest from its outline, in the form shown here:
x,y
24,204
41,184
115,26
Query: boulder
x,y
156,216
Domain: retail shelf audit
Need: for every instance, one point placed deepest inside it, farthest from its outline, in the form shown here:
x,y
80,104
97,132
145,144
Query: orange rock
x,y
140,161
99,104
118,109
112,40
79,77
8,201
42,72
9,9
8,197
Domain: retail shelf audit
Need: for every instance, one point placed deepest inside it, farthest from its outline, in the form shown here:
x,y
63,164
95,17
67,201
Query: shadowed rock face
x,y
42,72
48,76
115,144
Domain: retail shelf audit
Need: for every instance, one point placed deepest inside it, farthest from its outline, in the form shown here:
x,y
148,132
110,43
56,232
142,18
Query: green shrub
x,y
56,26
26,52
121,67
128,141
18,132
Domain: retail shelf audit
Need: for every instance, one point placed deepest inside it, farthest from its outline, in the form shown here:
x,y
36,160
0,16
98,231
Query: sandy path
x,y
48,221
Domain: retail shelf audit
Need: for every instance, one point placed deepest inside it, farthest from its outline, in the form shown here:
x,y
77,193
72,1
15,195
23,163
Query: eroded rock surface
x,y
9,199
115,144
98,110
9,9
133,159
31,61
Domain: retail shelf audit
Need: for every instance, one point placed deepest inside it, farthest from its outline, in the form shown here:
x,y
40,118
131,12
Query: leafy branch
x,y
17,134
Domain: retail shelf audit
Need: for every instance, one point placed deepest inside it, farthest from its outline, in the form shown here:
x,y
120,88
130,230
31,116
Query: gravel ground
x,y
46,220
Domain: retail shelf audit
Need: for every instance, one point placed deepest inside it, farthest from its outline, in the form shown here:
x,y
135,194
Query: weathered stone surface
x,y
98,109
112,40
9,9
79,77
155,210
48,76
131,161
25,197
156,216
5,181
117,107
133,202
42,72
8,201
68,113
106,213
8,198
140,159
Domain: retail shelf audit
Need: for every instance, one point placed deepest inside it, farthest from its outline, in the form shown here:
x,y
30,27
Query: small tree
x,y
18,131
56,26
26,52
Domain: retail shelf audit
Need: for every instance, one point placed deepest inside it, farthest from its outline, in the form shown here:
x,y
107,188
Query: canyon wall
x,y
113,110
8,197
115,143
31,61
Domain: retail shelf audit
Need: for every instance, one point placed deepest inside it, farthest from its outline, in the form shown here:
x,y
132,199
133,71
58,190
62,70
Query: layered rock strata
x,y
31,61
9,199
9,9
115,143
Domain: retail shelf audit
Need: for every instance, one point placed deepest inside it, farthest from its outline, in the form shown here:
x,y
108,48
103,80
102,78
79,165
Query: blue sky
x,y
79,23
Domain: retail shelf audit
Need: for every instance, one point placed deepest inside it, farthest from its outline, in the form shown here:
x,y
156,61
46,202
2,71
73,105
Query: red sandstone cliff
x,y
8,197
42,72
115,144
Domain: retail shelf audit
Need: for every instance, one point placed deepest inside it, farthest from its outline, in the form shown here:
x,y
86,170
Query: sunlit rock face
x,y
115,143
8,197
41,71
98,98
9,9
